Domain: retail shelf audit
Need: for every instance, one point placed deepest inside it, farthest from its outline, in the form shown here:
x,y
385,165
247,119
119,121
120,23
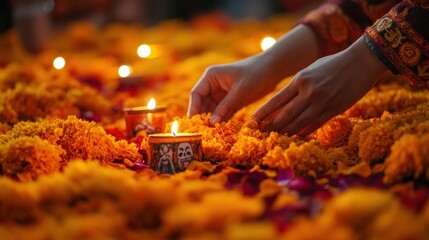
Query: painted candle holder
x,y
144,119
171,153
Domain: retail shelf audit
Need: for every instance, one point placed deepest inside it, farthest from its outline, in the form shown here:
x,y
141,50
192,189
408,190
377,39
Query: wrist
x,y
293,52
364,57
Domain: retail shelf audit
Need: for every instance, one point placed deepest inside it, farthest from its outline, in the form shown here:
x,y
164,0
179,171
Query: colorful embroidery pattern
x,y
397,35
402,45
340,22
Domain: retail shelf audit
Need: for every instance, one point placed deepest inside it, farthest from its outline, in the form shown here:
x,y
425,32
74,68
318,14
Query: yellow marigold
x,y
251,231
372,214
79,138
88,193
208,214
249,149
409,159
217,140
23,73
50,100
26,158
392,99
360,214
307,159
252,144
310,229
335,133
26,102
4,127
275,158
354,138
376,140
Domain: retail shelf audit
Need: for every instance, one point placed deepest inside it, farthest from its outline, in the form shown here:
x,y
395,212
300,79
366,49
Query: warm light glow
x,y
144,51
124,71
267,42
151,104
175,127
59,63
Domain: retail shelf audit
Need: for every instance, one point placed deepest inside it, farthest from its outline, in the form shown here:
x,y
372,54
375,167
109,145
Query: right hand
x,y
224,89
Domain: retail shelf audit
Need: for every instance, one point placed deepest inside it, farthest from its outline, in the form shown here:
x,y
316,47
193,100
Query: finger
x,y
287,114
307,117
316,124
232,102
208,105
199,91
194,104
276,102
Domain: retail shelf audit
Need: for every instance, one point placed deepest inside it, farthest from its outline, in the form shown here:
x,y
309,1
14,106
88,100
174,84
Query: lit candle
x,y
124,71
59,63
144,51
173,152
150,119
150,51
267,42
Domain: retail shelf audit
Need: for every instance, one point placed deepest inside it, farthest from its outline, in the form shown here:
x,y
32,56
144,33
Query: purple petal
x,y
302,185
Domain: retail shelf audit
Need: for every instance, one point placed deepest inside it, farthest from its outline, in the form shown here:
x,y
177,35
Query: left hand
x,y
323,90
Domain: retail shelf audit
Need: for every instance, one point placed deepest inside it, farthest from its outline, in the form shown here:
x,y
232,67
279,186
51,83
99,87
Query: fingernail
x,y
215,119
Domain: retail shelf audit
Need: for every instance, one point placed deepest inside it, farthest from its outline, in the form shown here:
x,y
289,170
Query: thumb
x,y
232,102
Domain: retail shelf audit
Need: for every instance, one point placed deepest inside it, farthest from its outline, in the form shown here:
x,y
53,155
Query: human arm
x,y
223,89
334,83
323,90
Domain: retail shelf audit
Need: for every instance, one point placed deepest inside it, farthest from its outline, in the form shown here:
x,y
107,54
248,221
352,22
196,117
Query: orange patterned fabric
x,y
340,22
399,36
335,29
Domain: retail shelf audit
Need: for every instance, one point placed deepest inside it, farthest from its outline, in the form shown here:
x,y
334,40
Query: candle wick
x,y
174,133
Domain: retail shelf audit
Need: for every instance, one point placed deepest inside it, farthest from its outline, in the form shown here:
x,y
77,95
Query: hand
x,y
321,91
224,89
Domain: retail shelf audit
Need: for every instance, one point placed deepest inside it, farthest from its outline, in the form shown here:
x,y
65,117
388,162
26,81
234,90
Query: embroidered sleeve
x,y
400,40
340,22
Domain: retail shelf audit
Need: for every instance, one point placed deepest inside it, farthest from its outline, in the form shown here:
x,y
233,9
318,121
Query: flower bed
x,y
68,170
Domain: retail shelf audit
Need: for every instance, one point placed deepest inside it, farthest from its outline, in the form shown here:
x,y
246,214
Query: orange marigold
x,y
375,141
79,138
393,99
26,158
307,159
335,133
50,100
409,159
217,140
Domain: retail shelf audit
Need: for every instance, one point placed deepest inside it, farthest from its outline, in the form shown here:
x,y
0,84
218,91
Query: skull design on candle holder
x,y
184,155
170,153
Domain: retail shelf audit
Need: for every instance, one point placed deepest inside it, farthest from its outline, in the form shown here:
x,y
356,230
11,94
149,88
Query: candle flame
x,y
175,127
124,71
151,104
144,51
59,63
267,42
